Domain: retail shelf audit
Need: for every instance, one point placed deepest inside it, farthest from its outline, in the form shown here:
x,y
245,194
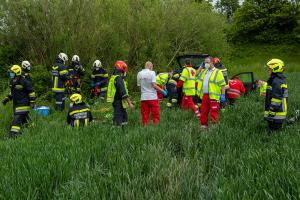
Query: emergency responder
x,y
176,75
217,63
79,114
162,80
60,76
26,66
236,88
23,97
276,95
146,80
99,80
117,94
76,72
172,91
262,85
187,82
211,90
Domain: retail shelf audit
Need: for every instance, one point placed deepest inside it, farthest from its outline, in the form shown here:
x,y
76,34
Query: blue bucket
x,y
42,110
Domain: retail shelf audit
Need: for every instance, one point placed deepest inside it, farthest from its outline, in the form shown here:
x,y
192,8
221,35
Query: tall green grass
x,y
236,159
253,58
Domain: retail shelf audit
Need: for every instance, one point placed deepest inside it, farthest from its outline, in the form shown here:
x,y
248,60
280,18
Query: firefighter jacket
x,y
22,95
117,90
79,115
236,88
26,74
99,77
215,82
276,99
162,79
188,76
60,75
76,70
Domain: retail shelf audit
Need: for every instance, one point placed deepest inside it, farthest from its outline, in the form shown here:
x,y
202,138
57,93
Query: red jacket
x,y
236,88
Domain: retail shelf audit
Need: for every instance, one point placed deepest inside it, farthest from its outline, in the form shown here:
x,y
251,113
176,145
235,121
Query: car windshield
x,y
197,60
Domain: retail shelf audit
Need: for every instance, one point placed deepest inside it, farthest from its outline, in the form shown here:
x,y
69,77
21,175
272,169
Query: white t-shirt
x,y
206,80
145,78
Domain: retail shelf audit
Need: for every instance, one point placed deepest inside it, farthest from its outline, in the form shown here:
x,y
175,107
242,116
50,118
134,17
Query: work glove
x,y
93,76
5,101
222,99
165,93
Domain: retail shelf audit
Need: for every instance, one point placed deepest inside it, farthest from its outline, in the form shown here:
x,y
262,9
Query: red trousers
x,y
148,106
187,102
160,95
209,106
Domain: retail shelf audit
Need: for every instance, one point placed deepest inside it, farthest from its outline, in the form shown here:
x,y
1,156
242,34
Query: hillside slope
x,y
173,160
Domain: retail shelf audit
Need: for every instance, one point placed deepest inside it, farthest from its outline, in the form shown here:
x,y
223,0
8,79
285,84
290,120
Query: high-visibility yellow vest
x,y
263,88
162,78
215,82
111,91
188,76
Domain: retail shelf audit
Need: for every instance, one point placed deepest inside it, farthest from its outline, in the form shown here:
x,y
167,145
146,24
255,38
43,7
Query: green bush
x,y
274,21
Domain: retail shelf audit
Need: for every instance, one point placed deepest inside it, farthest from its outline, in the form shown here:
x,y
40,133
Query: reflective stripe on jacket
x,y
60,75
79,115
188,76
276,99
162,79
111,91
236,88
216,81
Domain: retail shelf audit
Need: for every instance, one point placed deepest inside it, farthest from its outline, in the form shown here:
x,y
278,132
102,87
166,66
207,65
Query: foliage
x,y
228,7
109,30
174,160
265,22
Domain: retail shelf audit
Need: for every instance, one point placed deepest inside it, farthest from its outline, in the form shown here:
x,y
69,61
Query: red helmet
x,y
121,65
216,60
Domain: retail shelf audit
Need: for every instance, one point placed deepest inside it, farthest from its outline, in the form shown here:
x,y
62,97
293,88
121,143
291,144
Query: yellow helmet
x,y
76,98
276,65
16,69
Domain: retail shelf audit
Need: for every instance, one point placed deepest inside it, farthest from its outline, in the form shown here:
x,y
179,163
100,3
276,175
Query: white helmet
x,y
63,57
26,65
97,64
75,58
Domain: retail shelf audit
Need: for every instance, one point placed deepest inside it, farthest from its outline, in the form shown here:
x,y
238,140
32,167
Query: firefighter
x,y
117,94
26,67
276,95
172,91
76,72
187,83
176,76
99,80
162,80
60,76
79,114
23,97
262,85
211,90
236,88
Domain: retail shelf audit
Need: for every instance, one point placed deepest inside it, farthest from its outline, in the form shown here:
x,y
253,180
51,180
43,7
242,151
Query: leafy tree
x,y
265,21
228,7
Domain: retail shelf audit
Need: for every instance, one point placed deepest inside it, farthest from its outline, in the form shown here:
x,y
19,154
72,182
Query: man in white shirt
x,y
211,90
146,79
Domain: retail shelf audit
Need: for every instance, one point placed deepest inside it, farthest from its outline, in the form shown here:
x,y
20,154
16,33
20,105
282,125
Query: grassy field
x,y
254,58
237,159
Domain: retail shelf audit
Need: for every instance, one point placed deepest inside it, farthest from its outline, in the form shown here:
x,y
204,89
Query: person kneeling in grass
x,y
79,114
